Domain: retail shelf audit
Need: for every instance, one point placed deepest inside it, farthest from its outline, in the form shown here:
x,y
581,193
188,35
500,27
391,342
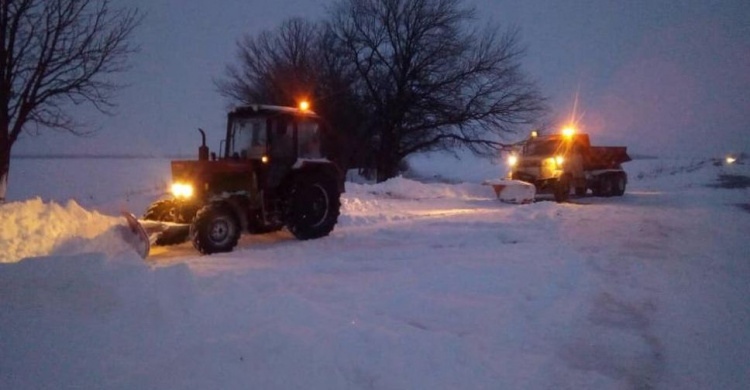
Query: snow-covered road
x,y
420,286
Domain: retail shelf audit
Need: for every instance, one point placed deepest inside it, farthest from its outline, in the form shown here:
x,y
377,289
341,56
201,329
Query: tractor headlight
x,y
182,190
512,160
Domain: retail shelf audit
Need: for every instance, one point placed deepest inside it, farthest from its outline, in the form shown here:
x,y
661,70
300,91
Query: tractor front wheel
x,y
166,210
313,206
215,229
162,211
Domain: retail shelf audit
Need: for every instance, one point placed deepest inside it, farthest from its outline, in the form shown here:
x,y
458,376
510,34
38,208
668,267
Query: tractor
x,y
272,173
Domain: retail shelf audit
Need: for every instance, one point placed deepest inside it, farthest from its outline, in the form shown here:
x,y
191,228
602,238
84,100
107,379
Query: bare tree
x,y
54,53
298,60
275,67
429,80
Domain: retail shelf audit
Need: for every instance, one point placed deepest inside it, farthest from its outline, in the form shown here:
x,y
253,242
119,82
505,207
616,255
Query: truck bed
x,y
605,157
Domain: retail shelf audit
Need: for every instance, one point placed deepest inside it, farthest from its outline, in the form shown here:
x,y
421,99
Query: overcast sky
x,y
659,76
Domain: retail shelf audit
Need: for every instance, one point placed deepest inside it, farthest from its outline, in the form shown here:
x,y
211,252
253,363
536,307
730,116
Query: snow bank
x,y
400,199
35,228
402,188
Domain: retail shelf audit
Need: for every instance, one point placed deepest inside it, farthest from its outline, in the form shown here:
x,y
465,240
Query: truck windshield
x,y
541,148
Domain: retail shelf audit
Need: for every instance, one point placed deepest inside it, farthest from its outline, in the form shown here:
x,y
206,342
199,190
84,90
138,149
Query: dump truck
x,y
566,162
271,172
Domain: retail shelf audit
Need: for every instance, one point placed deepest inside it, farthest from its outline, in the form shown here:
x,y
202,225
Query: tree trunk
x,y
4,167
387,162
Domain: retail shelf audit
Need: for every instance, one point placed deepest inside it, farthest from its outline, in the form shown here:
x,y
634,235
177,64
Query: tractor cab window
x,y
308,133
282,139
248,138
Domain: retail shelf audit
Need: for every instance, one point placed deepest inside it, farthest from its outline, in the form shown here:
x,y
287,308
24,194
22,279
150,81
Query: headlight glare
x,y
182,190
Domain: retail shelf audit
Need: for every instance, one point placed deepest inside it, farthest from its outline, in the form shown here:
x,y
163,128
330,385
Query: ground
x,y
427,282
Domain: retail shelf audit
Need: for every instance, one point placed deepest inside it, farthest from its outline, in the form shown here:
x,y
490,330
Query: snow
x,y
34,228
424,284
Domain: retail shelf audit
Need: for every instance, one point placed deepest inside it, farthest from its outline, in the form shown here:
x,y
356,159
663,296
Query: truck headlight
x,y
182,190
559,160
512,160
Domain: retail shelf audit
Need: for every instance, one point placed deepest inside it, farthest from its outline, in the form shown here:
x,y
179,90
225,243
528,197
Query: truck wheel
x,y
562,189
313,207
618,185
606,186
215,229
580,191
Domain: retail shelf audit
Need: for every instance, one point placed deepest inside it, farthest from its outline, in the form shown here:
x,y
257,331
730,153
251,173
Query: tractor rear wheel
x,y
313,206
215,229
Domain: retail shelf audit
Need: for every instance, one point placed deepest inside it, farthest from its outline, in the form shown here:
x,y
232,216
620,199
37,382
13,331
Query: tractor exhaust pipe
x,y
203,149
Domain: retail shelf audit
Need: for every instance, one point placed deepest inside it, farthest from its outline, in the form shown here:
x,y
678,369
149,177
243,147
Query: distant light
x,y
568,131
534,134
512,160
730,160
264,159
304,105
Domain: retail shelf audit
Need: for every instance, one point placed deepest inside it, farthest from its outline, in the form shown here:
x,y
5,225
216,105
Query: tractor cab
x,y
263,133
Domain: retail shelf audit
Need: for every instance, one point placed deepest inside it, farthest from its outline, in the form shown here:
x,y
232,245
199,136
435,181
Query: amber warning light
x,y
304,105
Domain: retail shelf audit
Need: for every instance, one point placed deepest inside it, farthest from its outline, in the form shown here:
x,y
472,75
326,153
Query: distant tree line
x,y
392,78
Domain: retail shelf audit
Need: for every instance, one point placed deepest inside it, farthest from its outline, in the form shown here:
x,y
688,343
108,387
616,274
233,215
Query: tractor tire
x,y
162,211
618,185
166,211
215,229
313,206
562,190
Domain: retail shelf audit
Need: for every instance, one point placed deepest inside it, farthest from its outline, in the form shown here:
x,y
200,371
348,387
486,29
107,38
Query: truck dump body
x,y
604,157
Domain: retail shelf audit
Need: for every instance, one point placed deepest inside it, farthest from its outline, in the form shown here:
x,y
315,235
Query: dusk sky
x,y
661,77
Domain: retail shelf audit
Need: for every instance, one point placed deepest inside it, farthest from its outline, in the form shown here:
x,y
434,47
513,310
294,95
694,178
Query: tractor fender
x,y
321,164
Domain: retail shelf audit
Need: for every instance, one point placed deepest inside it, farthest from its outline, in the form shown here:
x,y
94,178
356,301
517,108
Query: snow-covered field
x,y
428,284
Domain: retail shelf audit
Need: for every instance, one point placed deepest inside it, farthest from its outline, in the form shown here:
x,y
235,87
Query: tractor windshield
x,y
248,138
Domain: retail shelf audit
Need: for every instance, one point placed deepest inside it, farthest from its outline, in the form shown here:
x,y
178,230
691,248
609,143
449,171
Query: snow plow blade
x,y
165,233
512,191
144,234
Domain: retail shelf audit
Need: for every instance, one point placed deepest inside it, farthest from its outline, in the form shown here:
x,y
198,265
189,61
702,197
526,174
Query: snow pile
x,y
402,199
402,188
35,228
